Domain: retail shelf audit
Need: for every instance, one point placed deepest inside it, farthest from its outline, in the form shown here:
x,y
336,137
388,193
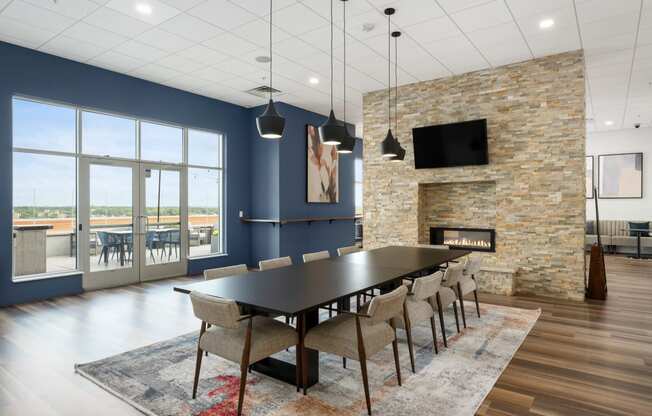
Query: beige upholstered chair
x,y
348,250
243,339
454,279
419,307
210,274
358,336
275,263
319,255
472,268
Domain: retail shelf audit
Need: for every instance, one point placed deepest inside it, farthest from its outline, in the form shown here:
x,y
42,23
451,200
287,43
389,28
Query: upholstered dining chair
x,y
319,255
274,263
472,267
453,279
219,272
420,307
242,339
360,335
348,250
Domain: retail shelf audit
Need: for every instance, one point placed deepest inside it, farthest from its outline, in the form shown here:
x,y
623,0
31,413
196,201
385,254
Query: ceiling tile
x,y
409,12
98,36
164,40
140,50
432,31
213,74
203,54
320,38
26,34
257,31
483,16
230,44
179,63
72,48
457,54
452,6
36,16
353,8
182,5
564,19
524,8
591,10
553,42
160,12
155,72
298,19
222,13
294,48
76,9
261,8
190,27
115,61
117,22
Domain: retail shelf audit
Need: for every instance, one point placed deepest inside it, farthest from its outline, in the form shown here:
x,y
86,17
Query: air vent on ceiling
x,y
263,91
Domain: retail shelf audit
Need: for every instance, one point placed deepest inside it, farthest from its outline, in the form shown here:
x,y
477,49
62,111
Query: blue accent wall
x,y
27,72
264,178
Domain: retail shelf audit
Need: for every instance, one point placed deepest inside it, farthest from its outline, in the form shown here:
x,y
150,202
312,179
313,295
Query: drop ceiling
x,y
209,46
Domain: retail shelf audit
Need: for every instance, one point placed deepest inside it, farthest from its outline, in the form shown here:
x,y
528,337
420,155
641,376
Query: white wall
x,y
622,141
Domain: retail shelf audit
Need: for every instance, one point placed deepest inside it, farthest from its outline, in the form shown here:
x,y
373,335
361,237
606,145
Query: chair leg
x,y
461,298
441,319
457,318
396,361
244,365
477,304
198,363
362,356
434,333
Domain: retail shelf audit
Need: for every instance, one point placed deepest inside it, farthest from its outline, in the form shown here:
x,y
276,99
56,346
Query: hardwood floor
x,y
581,358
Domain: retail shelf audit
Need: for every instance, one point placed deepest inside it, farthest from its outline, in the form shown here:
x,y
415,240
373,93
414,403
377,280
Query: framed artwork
x,y
322,169
589,177
620,175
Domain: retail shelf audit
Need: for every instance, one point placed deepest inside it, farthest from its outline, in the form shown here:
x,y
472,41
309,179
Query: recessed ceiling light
x,y
144,8
608,123
314,80
546,23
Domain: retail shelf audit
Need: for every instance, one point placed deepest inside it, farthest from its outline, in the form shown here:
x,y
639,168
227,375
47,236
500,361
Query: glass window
x,y
44,214
204,148
161,143
106,135
43,126
204,211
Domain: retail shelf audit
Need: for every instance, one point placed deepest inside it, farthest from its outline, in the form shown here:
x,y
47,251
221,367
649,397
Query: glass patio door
x,y
163,240
109,204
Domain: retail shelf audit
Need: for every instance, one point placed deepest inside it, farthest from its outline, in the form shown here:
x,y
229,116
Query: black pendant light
x,y
332,131
270,124
400,153
389,147
348,141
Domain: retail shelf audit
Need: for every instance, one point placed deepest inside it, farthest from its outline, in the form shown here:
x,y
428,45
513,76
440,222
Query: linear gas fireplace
x,y
476,239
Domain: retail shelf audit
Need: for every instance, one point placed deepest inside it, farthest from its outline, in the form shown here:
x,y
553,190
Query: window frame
x,y
78,154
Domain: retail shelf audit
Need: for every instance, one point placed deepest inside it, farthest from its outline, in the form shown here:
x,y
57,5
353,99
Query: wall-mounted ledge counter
x,y
309,220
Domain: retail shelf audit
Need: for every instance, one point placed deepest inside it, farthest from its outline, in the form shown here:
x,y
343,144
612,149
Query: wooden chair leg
x,y
198,362
441,319
396,361
244,365
408,332
434,333
457,319
461,298
363,364
477,304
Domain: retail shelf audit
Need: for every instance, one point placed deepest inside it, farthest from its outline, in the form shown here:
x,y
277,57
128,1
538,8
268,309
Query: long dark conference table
x,y
300,290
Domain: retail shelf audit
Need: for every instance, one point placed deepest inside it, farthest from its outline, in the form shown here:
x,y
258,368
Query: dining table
x,y
301,289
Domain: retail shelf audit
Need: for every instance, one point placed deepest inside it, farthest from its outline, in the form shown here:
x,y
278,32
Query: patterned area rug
x,y
157,379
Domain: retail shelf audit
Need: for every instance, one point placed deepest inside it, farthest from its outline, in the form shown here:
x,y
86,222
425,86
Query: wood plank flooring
x,y
580,359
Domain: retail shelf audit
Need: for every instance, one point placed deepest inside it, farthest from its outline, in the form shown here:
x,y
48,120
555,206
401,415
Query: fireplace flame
x,y
465,242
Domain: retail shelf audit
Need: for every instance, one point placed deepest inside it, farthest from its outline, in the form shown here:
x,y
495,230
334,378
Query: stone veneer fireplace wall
x,y
532,191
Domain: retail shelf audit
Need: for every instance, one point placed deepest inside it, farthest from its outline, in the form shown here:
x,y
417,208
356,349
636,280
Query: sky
x,y
46,180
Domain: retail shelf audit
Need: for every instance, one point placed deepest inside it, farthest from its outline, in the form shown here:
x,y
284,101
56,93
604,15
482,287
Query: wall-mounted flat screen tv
x,y
446,145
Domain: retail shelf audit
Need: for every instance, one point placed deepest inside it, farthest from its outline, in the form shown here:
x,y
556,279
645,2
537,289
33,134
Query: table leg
x,y
638,245
285,371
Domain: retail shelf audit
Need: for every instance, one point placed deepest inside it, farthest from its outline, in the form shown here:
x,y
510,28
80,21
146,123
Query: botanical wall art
x,y
620,175
323,173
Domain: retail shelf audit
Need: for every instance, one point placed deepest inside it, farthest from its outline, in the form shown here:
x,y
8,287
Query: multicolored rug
x,y
157,379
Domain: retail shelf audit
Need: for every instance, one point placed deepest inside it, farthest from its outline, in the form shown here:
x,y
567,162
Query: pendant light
x,y
348,141
332,131
270,124
389,147
400,153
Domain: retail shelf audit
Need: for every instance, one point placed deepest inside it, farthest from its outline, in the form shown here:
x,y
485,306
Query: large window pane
x,y
204,148
43,126
106,135
204,211
163,237
161,143
44,212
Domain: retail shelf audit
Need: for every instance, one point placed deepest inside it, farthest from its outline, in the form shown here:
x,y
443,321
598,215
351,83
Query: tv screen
x,y
446,145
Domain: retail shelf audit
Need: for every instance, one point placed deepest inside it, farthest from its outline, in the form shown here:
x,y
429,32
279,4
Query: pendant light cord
x,y
270,49
331,55
389,72
344,30
396,85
